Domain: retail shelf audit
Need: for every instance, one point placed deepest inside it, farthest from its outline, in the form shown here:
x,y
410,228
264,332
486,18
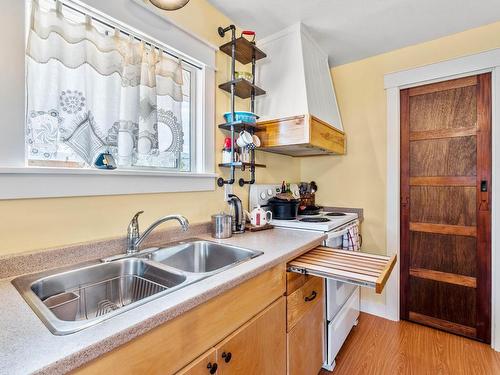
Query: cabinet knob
x,y
311,297
227,356
212,367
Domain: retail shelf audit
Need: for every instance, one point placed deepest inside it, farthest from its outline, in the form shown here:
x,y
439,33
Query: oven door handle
x,y
341,232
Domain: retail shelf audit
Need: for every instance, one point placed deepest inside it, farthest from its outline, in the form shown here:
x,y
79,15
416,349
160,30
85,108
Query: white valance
x,y
54,37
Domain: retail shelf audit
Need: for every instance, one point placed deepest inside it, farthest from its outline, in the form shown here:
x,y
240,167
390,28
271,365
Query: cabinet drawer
x,y
294,281
303,299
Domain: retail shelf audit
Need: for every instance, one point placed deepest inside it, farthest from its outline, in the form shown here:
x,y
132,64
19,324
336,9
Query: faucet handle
x,y
134,223
136,216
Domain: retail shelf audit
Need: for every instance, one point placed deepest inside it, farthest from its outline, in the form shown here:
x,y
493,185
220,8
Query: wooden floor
x,y
382,347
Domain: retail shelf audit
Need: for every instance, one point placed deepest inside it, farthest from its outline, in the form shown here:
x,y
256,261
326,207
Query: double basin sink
x,y
73,298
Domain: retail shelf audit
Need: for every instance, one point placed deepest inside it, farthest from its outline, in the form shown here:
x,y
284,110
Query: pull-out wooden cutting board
x,y
354,267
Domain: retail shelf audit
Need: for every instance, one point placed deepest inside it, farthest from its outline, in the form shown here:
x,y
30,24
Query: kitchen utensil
x,y
309,210
222,225
249,35
244,139
259,217
226,157
237,213
307,194
256,140
241,116
250,228
64,305
245,154
313,187
284,209
285,196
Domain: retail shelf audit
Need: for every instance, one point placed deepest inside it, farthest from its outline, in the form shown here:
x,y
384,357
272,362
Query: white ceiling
x,y
350,30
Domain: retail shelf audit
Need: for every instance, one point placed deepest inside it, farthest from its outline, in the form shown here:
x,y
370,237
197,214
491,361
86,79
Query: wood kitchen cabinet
x,y
305,342
306,324
259,347
206,364
248,309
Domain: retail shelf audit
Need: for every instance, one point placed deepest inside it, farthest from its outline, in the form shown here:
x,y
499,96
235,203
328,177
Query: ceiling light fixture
x,y
169,4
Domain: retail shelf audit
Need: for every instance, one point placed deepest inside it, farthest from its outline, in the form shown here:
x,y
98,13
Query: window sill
x,y
39,182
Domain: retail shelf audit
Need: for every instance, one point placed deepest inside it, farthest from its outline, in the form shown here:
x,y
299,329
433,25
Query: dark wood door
x,y
445,205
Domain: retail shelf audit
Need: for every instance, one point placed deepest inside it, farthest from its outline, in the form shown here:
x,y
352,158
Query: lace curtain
x,y
92,90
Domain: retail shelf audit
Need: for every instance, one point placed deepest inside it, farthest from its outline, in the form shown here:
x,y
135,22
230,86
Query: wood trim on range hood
x,y
303,135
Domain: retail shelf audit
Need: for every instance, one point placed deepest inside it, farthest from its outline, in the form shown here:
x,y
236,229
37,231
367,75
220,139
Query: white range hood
x,y
297,78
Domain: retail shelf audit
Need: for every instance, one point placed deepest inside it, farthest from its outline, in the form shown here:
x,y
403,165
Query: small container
x,y
63,305
222,225
245,75
243,116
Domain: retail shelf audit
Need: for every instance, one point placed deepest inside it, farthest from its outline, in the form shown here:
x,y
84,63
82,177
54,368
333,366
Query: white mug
x,y
259,217
244,139
256,141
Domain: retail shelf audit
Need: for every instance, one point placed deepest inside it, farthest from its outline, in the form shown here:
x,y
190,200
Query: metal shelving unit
x,y
245,52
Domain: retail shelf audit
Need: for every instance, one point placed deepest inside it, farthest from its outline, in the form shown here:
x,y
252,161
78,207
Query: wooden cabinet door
x,y
445,205
305,342
259,347
206,364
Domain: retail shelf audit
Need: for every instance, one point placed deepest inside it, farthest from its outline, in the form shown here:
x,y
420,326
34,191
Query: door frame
x,y
483,62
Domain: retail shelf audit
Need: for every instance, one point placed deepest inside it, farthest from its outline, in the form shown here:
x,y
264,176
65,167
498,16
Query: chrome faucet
x,y
134,239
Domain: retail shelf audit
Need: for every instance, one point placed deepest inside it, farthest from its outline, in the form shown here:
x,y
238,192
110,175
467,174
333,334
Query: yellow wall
x,y
358,179
34,224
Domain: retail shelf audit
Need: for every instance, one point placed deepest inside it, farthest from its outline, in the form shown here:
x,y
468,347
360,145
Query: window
x,y
94,89
25,175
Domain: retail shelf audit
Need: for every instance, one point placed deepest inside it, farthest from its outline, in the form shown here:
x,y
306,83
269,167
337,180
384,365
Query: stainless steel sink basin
x,y
73,298
198,256
77,298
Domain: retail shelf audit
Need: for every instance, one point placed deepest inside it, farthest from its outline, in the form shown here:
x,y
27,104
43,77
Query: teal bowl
x,y
241,116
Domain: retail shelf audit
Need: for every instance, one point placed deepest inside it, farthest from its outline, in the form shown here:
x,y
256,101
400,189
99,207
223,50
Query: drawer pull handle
x,y
227,356
212,368
311,297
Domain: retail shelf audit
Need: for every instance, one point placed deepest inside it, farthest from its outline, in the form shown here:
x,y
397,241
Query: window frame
x,y
22,181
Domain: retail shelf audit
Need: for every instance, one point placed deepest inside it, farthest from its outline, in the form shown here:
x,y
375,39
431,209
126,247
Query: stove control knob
x,y
263,195
270,192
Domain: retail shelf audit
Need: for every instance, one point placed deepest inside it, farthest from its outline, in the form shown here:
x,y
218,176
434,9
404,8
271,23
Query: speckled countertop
x,y
27,346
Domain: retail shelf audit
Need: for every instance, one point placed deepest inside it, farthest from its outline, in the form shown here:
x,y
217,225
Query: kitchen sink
x,y
77,298
70,299
198,256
